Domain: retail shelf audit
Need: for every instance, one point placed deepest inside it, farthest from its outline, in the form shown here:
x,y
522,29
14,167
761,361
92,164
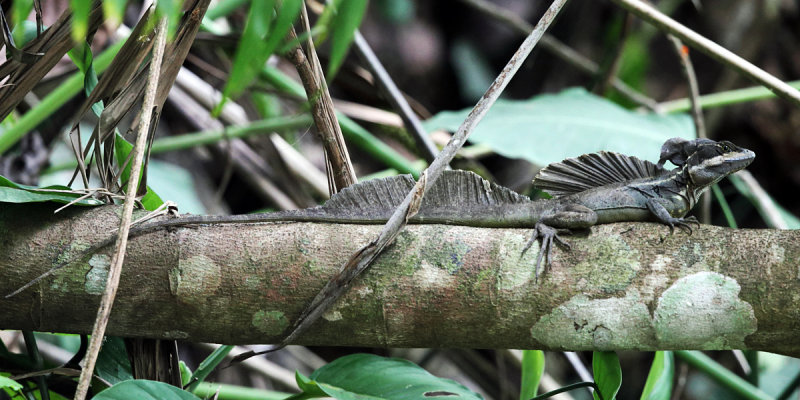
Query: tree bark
x,y
621,286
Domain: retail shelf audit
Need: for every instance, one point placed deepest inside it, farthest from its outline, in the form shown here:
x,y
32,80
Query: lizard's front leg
x,y
559,221
658,207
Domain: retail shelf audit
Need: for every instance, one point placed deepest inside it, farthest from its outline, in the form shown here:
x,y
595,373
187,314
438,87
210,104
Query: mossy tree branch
x,y
621,286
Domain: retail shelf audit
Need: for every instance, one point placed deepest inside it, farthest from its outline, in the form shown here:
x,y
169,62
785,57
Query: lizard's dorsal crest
x,y
454,189
575,175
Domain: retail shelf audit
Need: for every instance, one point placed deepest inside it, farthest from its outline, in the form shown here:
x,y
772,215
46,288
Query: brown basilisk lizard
x,y
591,189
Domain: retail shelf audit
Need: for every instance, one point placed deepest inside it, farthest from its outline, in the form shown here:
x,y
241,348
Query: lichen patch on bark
x,y
269,322
195,279
430,277
703,311
614,268
517,269
657,280
582,323
96,278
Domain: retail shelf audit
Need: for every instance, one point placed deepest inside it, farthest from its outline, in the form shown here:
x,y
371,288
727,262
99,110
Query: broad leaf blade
x,y
122,149
361,376
113,364
11,192
347,19
144,390
114,11
19,12
80,19
659,380
607,374
548,128
532,370
10,384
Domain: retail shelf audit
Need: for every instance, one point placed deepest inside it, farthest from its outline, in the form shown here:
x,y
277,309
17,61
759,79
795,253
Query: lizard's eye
x,y
725,147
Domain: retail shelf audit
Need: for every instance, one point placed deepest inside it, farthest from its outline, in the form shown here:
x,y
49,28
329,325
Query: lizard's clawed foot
x,y
682,223
548,235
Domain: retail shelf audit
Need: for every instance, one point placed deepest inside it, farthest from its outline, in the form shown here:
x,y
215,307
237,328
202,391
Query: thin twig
x,y
395,98
363,258
694,92
104,311
308,67
687,69
560,50
721,54
724,98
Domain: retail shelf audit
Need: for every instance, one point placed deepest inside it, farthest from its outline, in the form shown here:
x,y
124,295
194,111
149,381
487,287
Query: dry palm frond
x,y
49,48
122,87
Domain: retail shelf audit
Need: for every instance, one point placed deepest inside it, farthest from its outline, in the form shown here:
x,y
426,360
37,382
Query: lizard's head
x,y
715,160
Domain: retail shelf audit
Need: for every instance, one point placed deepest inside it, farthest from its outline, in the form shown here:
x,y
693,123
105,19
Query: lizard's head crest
x,y
713,161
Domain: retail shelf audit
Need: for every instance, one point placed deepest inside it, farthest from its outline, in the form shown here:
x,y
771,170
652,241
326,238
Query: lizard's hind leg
x,y
559,221
548,234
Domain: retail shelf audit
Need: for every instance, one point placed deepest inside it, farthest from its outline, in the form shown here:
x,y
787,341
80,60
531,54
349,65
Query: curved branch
x,y
621,286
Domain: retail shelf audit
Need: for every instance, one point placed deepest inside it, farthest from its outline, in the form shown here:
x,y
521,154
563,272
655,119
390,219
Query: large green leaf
x,y
144,390
607,374
11,192
532,370
113,364
659,380
367,376
550,127
8,383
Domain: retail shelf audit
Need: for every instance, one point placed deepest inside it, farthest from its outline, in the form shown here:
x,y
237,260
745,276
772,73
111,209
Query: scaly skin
x,y
665,198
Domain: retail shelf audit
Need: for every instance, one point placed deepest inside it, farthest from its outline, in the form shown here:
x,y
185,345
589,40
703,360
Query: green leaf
x,y
186,374
82,56
285,13
258,43
532,370
249,57
347,19
310,389
607,374
80,19
20,9
8,383
114,11
11,192
122,148
113,364
172,10
141,389
208,365
791,221
550,127
659,380
367,376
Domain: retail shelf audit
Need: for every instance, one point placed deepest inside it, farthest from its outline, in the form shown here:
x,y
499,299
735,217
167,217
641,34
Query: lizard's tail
x,y
135,231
